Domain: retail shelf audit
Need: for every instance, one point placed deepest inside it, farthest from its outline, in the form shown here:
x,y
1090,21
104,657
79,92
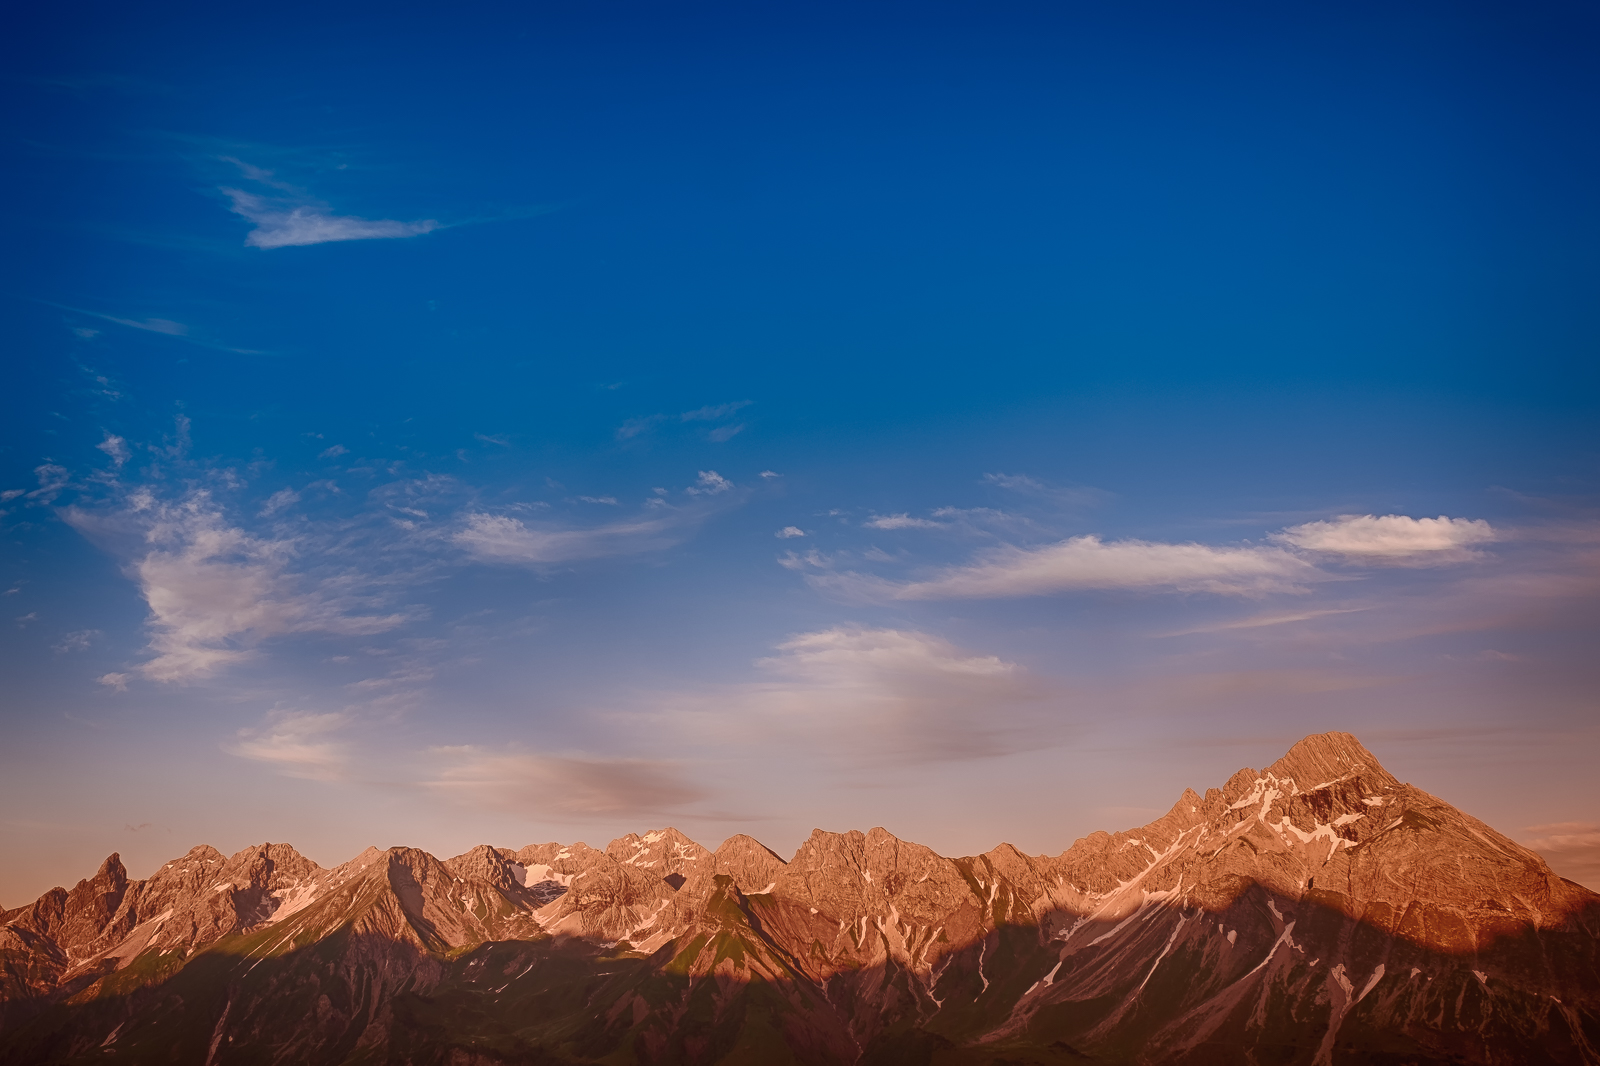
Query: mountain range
x,y
1319,911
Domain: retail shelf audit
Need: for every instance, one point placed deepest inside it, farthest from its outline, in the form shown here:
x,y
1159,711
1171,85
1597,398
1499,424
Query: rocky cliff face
x,y
1318,911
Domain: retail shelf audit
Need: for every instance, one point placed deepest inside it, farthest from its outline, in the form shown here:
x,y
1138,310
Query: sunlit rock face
x,y
1317,911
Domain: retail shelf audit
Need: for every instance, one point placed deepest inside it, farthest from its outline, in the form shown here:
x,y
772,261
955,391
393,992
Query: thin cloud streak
x,y
1572,849
294,218
1393,540
1087,562
900,521
1072,496
1261,620
284,224
164,326
502,539
537,784
634,427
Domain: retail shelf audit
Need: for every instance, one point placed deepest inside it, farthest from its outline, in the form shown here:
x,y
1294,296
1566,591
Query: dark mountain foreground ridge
x,y
1316,912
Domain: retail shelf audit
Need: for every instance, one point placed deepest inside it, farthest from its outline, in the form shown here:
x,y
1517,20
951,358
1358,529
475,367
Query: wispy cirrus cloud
x,y
721,412
165,326
289,216
78,640
1258,621
496,538
277,502
900,521
284,223
1064,496
503,538
149,325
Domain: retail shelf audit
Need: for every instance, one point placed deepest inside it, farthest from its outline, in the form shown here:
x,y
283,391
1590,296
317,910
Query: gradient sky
x,y
437,426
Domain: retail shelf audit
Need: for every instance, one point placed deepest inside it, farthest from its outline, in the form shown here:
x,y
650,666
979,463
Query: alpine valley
x,y
1318,911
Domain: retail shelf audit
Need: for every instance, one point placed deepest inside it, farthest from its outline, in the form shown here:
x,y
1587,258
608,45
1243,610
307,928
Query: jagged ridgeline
x,y
1319,911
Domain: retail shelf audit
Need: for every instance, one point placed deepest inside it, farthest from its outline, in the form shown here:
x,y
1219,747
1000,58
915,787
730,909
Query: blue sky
x,y
523,423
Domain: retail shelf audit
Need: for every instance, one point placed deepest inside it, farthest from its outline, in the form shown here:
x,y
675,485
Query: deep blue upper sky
x,y
545,421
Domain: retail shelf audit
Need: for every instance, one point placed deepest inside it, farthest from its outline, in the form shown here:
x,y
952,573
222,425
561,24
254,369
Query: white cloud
x,y
860,695
502,539
178,445
1396,540
116,448
610,500
52,480
296,744
523,782
1088,563
286,221
165,326
149,325
1016,482
635,426
77,641
714,414
840,656
154,325
1262,620
118,682
709,483
789,531
1076,496
278,501
900,521
812,558
333,452
978,513
214,591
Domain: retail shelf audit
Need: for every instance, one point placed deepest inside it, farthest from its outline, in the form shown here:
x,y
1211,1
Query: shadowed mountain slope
x,y
1319,911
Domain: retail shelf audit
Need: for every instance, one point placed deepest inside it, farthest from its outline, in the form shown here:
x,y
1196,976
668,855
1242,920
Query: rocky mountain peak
x,y
753,866
666,853
1324,758
495,866
90,906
